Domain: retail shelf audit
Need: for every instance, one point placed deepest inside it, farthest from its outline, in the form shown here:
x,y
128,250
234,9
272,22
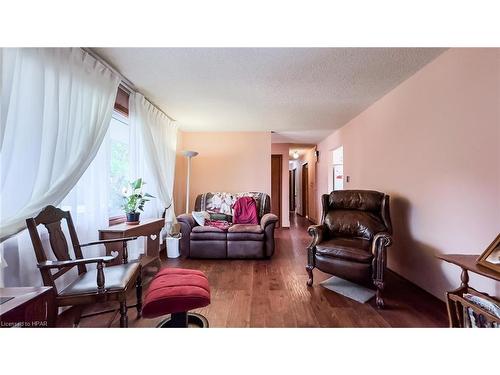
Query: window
x,y
338,168
119,138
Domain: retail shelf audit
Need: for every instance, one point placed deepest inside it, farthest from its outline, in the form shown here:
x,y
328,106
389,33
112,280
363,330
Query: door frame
x,y
292,182
305,189
280,190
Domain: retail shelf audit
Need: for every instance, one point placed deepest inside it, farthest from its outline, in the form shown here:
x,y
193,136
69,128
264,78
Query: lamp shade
x,y
189,154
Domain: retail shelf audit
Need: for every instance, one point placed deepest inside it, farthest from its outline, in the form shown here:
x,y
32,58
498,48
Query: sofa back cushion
x,y
352,223
362,200
222,202
356,213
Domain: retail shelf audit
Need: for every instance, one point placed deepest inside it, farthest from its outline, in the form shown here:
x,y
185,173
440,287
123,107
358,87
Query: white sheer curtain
x,y
56,106
159,140
88,204
56,109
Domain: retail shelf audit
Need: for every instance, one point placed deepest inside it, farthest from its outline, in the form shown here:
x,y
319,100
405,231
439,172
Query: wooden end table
x,y
29,307
148,228
455,300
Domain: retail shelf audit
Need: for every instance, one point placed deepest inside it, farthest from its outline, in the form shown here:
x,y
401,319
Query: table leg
x,y
464,277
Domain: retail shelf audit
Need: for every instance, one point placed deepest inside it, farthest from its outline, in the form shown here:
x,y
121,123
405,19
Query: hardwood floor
x,y
273,293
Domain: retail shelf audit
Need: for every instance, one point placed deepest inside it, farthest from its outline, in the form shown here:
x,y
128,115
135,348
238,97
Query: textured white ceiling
x,y
296,92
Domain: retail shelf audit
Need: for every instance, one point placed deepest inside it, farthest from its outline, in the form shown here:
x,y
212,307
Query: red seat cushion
x,y
176,290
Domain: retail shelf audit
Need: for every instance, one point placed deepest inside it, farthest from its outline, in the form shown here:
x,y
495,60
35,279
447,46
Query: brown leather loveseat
x,y
239,241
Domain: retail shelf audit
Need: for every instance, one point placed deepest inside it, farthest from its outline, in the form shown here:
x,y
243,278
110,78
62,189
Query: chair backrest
x,y
221,202
356,213
52,217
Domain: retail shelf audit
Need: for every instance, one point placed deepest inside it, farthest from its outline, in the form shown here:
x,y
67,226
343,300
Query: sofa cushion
x,y
245,236
245,232
207,233
245,228
205,229
352,249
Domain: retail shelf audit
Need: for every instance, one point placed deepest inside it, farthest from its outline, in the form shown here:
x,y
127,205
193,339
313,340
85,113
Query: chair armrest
x,y
125,239
317,233
268,219
187,219
381,241
48,264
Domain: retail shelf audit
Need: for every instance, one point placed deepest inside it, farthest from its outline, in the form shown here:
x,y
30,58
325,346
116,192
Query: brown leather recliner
x,y
240,241
352,239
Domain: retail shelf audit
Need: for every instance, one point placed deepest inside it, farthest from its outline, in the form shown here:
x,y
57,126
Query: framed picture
x,y
491,256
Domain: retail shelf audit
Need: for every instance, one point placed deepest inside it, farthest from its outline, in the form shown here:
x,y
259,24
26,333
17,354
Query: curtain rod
x,y
125,82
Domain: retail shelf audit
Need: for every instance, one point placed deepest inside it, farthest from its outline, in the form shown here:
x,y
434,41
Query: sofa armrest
x,y
187,219
268,219
187,223
267,223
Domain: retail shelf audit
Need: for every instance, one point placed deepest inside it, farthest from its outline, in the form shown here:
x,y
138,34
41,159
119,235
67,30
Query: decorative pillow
x,y
216,216
200,217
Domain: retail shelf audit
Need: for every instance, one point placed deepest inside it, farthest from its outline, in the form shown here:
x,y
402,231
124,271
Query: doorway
x,y
305,190
276,185
292,189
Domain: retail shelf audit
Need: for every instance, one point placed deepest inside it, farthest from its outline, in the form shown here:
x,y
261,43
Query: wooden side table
x,y
455,300
27,307
148,228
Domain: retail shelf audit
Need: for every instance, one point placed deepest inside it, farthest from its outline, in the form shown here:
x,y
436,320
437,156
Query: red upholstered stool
x,y
175,291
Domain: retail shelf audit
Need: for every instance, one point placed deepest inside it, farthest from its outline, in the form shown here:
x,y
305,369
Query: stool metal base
x,y
184,320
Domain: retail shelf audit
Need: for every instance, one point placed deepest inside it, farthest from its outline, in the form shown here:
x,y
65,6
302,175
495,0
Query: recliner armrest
x,y
381,240
317,234
268,219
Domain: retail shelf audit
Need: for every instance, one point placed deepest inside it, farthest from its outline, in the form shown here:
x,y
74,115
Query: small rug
x,y
348,289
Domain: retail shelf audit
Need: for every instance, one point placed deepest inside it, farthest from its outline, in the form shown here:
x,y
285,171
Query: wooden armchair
x,y
91,286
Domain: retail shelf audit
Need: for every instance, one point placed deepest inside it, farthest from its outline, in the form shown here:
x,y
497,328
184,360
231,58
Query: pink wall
x,y
432,143
227,161
283,149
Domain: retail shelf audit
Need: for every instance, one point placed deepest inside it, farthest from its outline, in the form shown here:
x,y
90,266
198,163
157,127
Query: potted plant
x,y
134,200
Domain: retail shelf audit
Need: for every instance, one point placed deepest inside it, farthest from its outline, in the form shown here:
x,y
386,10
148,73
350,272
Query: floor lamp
x,y
189,155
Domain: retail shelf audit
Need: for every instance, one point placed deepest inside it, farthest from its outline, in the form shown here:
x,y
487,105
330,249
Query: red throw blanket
x,y
245,211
